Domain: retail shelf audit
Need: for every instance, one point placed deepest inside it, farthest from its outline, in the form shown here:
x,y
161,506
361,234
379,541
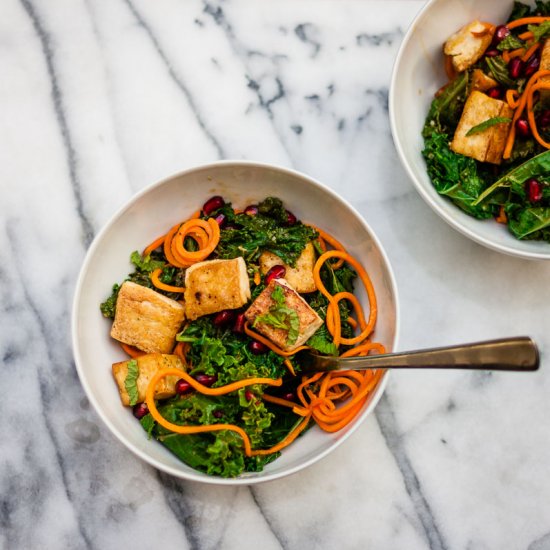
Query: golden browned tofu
x,y
487,145
545,66
299,277
468,44
146,319
481,81
148,366
215,285
308,318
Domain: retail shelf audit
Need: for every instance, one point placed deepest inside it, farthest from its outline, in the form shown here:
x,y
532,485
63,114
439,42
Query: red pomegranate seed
x,y
238,326
183,387
213,203
221,220
251,210
544,119
495,93
205,379
516,67
534,190
532,65
501,32
275,272
257,348
289,396
248,395
493,52
223,318
217,414
140,410
522,127
290,218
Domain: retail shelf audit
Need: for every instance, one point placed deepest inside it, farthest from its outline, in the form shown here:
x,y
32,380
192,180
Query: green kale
x,y
108,307
145,264
531,223
515,178
455,176
130,382
519,11
249,236
446,108
322,342
280,316
541,8
218,351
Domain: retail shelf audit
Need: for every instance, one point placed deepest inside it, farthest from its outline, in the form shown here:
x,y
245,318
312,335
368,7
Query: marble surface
x,y
101,98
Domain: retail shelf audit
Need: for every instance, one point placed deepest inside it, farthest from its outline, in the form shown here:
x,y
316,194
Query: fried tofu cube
x,y
148,366
299,277
487,145
215,285
468,44
545,66
481,81
309,321
146,319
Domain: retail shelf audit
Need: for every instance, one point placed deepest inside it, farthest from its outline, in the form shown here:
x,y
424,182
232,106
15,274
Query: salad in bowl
x,y
195,307
487,132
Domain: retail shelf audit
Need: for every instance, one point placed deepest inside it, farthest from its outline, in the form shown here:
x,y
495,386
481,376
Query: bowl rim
x,y
199,476
434,202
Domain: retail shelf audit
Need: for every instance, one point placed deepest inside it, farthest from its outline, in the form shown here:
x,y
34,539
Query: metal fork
x,y
506,354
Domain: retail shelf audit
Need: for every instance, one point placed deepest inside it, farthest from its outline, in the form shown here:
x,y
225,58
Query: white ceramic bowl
x,y
417,74
152,212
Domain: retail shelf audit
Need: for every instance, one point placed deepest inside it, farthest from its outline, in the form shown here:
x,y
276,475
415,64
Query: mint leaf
x,y
481,127
280,316
130,382
511,42
540,31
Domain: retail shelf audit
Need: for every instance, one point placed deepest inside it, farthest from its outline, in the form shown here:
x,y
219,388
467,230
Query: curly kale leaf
x,y
446,108
455,176
108,307
249,236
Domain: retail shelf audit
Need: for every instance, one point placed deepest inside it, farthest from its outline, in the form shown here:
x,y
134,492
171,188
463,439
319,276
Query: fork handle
x,y
507,354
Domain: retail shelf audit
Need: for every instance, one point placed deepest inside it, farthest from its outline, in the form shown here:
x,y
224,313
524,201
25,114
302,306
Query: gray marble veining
x,y
100,98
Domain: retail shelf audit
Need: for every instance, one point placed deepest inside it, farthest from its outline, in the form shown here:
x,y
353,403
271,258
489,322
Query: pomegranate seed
x,y
183,387
251,210
223,318
217,414
140,410
493,52
290,218
534,190
238,326
544,119
205,379
289,396
532,65
257,348
275,272
248,395
501,32
495,93
221,220
213,203
522,127
516,67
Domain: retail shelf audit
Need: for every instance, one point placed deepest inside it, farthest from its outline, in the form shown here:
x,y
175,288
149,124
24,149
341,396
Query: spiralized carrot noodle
x,y
177,428
132,351
163,286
